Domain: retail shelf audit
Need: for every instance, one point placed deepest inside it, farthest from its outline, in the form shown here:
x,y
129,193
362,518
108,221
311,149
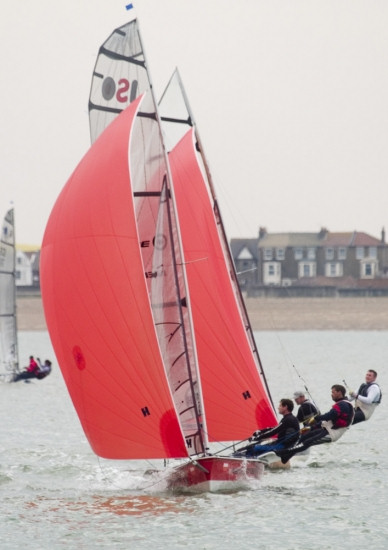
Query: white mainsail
x,y
9,360
120,76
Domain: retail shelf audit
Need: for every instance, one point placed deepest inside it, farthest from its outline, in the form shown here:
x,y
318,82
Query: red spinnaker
x,y
236,401
98,311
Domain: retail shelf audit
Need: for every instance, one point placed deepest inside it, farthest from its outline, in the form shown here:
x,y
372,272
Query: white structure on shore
x,y
27,266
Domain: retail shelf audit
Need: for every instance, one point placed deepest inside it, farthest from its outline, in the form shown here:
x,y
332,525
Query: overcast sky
x,y
290,97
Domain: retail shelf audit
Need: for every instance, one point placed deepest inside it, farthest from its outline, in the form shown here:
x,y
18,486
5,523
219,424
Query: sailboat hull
x,y
215,474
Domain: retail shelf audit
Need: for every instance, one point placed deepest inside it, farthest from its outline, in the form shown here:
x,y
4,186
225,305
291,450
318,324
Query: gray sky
x,y
290,97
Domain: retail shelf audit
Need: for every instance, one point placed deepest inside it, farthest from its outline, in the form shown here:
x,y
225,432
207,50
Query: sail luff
x,y
190,338
169,318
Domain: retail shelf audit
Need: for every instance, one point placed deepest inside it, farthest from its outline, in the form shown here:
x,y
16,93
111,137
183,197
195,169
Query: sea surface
x,y
56,494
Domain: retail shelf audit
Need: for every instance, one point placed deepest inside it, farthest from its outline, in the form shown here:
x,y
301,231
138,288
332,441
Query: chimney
x,y
323,233
383,236
262,232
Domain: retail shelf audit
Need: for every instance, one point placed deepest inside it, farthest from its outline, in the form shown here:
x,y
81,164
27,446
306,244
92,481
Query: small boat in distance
x,y
144,316
9,356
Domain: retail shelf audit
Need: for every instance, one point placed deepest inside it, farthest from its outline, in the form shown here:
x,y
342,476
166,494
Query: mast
x,y
188,332
15,328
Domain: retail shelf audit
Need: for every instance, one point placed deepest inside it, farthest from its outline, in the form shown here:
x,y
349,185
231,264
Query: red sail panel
x,y
235,400
98,311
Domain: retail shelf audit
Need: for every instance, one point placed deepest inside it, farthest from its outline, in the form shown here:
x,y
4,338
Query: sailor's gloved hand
x,y
255,436
353,394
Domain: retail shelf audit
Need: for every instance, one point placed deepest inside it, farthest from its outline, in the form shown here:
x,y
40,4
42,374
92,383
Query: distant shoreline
x,y
361,313
30,315
369,313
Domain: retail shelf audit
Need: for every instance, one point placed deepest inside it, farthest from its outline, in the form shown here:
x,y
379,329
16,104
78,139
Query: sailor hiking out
x,y
286,433
34,370
325,428
366,398
307,409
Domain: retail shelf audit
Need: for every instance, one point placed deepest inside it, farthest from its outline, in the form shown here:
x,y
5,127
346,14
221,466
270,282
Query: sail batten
x,y
119,57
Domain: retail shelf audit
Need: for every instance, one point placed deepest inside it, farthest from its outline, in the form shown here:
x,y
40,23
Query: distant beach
x,y
30,314
318,313
271,313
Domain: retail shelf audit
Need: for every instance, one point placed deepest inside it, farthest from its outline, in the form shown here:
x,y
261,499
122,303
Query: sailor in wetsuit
x,y
327,427
307,408
287,432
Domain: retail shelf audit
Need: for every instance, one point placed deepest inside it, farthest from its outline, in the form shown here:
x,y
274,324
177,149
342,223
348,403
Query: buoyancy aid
x,y
337,427
345,413
363,390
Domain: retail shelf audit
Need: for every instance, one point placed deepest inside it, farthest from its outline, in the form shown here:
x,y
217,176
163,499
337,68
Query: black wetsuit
x,y
288,434
307,409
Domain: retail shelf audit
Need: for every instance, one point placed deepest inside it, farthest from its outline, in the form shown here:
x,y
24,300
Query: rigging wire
x,y
292,363
306,388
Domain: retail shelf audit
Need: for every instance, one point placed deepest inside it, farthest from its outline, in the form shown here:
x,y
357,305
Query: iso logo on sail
x,y
123,91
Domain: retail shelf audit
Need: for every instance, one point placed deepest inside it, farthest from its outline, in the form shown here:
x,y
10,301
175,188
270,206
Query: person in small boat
x,y
325,428
366,398
307,408
44,370
29,372
286,432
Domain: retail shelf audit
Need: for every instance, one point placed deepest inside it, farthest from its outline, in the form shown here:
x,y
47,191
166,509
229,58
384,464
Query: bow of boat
x,y
215,474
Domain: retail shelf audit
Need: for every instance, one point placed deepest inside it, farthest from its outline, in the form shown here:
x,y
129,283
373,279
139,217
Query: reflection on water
x,y
139,505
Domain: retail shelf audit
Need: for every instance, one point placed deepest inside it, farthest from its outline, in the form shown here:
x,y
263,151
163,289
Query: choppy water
x,y
55,493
